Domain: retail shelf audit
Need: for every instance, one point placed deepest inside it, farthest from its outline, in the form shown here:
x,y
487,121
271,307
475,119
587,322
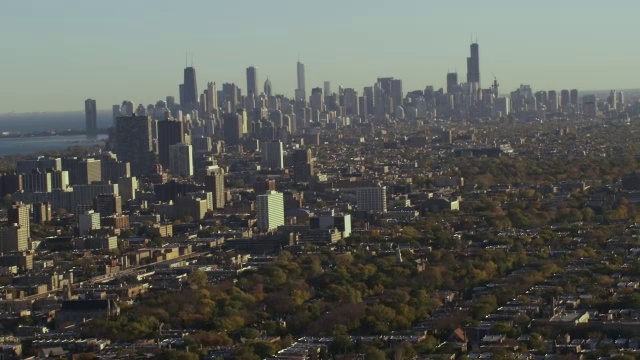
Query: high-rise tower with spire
x,y
189,89
301,93
473,65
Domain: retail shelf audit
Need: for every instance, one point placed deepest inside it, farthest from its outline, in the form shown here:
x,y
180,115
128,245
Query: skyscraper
x,y
301,93
189,93
272,154
115,111
302,165
351,104
212,98
473,65
232,129
327,88
317,100
41,212
270,210
170,132
91,118
396,92
372,198
127,108
107,204
214,183
590,105
565,99
127,187
82,171
252,81
553,103
88,221
18,213
171,103
268,89
181,159
16,236
573,95
390,89
452,82
369,94
113,169
134,143
230,97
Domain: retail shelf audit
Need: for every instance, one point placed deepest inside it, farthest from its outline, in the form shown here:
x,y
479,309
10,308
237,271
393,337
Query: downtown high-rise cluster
x,y
259,106
184,137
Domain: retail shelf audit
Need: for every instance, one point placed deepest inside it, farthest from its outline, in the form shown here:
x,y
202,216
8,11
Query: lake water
x,y
58,121
41,122
30,145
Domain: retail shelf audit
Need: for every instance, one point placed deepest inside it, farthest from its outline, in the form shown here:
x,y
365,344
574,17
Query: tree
x,y
373,353
344,260
341,344
245,352
177,355
264,349
427,345
198,279
404,350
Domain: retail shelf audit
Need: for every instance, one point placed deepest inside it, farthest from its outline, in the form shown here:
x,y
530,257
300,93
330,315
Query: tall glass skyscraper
x,y
301,83
473,65
189,89
252,81
91,118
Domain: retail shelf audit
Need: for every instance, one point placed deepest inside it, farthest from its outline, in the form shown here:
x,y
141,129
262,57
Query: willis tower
x,y
473,65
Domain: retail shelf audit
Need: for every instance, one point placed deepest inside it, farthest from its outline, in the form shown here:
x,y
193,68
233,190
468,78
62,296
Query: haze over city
x,y
56,56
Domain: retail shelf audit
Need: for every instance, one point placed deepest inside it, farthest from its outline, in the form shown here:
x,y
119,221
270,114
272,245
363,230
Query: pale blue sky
x,y
55,54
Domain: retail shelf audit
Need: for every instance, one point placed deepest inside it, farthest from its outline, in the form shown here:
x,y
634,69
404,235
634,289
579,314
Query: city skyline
x,y
549,50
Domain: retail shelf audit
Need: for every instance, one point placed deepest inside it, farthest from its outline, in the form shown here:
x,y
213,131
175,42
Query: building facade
x,y
270,210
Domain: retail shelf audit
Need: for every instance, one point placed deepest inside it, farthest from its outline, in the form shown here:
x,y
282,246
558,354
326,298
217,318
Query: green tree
x,y
198,279
373,353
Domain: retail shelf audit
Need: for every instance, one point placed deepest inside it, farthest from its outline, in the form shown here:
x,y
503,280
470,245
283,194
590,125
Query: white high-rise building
x,y
14,238
272,154
270,210
18,213
372,198
212,98
327,88
181,159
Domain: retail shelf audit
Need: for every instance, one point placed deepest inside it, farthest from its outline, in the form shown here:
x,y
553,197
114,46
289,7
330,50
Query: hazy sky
x,y
55,54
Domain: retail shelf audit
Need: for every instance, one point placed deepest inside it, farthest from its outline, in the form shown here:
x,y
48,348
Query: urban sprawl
x,y
453,223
